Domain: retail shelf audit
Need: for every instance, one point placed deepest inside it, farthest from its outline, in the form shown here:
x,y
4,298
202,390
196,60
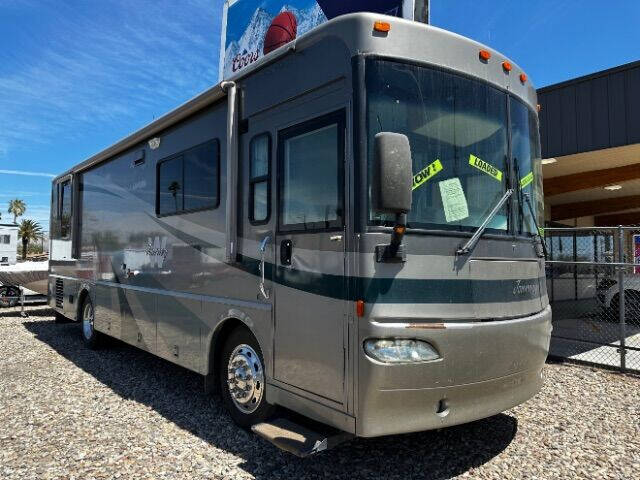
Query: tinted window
x,y
527,165
65,210
201,177
457,128
259,178
170,186
189,181
311,177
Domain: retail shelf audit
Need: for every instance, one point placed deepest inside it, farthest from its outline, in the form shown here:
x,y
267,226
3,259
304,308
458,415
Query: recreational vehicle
x,y
346,229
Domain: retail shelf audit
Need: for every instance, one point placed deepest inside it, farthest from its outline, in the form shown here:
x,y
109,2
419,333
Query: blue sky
x,y
75,76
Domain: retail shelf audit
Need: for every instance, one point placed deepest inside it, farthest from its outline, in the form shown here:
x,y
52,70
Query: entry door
x,y
309,302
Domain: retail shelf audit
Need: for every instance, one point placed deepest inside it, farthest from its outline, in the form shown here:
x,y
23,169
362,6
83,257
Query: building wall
x,y
594,112
8,244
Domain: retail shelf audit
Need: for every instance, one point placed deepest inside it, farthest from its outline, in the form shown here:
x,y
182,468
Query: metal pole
x,y
22,312
621,305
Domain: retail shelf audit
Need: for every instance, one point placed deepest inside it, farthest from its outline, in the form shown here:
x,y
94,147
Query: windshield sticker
x,y
526,180
426,173
453,200
485,167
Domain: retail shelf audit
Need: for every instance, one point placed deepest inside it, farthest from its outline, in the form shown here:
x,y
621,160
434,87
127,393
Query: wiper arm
x,y
527,200
466,249
535,223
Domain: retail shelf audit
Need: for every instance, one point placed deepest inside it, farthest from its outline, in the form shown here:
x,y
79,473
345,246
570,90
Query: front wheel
x,y
242,379
90,336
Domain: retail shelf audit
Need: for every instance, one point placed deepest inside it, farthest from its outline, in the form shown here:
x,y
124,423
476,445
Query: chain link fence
x,y
595,321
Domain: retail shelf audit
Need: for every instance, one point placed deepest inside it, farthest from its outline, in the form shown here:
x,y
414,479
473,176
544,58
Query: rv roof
x,y
406,40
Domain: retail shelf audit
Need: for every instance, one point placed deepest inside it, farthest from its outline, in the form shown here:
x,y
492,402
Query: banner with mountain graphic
x,y
246,24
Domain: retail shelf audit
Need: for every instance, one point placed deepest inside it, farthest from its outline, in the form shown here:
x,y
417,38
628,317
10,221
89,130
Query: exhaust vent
x,y
59,293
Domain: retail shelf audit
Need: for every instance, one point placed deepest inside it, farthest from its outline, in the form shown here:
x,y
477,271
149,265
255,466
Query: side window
x,y
65,210
259,179
201,184
311,176
170,186
189,181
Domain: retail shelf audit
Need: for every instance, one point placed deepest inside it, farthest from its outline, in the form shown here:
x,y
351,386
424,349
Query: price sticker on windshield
x,y
526,180
426,173
485,167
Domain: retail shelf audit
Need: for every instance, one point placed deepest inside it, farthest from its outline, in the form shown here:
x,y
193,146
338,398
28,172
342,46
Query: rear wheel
x,y
90,337
631,306
242,379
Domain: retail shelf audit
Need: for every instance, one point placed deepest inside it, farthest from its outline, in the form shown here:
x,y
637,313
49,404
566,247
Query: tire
x,y
90,336
631,306
241,367
8,291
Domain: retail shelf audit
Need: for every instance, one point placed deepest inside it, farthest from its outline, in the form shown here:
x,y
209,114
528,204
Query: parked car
x,y
608,294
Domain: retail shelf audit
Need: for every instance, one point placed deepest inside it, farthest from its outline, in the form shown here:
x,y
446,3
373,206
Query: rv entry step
x,y
298,439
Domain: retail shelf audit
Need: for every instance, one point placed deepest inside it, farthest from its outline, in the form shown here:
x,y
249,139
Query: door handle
x,y
286,247
261,249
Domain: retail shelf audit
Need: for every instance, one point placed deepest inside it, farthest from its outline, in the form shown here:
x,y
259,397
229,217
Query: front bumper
x,y
486,368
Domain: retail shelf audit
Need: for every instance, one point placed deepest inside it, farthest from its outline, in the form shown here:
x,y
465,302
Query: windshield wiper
x,y
466,249
527,200
535,223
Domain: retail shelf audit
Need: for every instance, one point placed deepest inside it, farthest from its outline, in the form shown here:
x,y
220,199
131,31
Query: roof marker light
x,y
485,55
523,78
506,66
380,26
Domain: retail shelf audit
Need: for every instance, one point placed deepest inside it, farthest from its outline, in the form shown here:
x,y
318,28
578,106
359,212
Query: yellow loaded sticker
x,y
426,173
526,180
485,167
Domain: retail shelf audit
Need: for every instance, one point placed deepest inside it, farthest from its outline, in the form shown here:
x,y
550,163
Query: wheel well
x,y
217,342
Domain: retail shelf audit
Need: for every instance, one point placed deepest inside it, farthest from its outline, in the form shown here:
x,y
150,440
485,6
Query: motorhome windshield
x,y
458,130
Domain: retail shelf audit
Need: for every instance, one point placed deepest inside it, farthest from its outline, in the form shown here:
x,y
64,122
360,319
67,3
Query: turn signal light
x,y
523,78
360,308
506,66
382,26
485,55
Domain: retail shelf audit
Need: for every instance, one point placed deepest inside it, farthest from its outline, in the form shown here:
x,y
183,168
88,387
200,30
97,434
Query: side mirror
x,y
391,177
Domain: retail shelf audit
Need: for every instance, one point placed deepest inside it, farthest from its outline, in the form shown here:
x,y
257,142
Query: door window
x,y
65,210
311,177
259,179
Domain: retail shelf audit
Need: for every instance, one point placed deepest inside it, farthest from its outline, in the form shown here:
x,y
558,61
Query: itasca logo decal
x,y
157,251
524,288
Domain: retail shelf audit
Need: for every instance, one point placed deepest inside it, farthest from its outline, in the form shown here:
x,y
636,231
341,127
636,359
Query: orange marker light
x,y
485,55
360,308
507,66
382,26
523,78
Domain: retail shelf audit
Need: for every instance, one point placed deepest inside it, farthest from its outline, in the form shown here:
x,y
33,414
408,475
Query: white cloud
x,y
29,174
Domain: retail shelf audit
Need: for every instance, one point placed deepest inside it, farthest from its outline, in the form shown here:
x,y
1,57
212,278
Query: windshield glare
x,y
457,128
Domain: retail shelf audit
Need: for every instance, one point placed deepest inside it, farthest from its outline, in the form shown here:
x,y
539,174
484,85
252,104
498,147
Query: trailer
x,y
346,229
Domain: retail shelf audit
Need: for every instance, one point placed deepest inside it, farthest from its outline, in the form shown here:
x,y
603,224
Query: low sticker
x,y
426,173
453,200
485,167
526,180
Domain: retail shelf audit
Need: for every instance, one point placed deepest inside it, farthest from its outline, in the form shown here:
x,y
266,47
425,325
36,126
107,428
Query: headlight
x,y
400,350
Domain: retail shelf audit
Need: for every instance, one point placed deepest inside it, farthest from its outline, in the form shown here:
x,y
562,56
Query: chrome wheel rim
x,y
87,321
245,378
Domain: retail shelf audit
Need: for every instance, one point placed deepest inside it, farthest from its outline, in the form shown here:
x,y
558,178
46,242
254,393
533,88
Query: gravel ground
x,y
68,412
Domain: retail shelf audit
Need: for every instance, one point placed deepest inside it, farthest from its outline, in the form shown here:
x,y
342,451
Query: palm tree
x,y
17,207
174,187
28,231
